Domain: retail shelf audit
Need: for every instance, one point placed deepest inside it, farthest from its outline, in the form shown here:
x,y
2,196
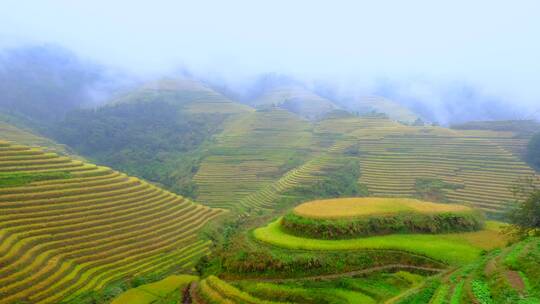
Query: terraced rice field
x,y
168,290
195,96
482,164
14,134
451,248
250,155
502,276
215,291
62,236
354,207
309,172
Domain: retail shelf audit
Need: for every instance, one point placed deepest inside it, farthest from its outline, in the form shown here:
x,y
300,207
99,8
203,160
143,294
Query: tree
x,y
533,151
524,218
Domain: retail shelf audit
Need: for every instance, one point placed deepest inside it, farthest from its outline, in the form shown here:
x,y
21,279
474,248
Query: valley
x,y
422,221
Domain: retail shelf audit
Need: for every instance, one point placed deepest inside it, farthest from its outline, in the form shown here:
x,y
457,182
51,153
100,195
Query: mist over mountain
x,y
39,84
43,82
451,103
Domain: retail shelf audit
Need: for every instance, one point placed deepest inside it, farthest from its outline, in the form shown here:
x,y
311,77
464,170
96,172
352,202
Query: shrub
x,y
423,296
525,216
481,292
432,189
21,179
402,222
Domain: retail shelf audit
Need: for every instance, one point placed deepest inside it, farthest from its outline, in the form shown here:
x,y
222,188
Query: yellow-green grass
x,y
270,290
154,292
371,206
452,248
60,237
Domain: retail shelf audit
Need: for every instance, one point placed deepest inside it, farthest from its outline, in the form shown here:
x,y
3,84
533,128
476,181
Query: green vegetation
x,y
432,189
453,249
68,227
243,256
478,167
295,294
341,181
128,136
215,291
524,216
281,262
490,279
314,220
168,290
402,222
79,233
481,292
253,160
424,295
371,288
20,179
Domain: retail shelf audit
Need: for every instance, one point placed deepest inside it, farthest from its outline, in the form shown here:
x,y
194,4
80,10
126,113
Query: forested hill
x,y
154,132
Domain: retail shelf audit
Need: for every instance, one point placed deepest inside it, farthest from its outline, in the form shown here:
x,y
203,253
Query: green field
x,y
509,275
454,249
75,232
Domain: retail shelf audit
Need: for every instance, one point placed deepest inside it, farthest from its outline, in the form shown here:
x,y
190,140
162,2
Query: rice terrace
x,y
269,152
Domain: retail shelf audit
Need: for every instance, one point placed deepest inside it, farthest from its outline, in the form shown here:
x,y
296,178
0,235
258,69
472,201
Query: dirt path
x,y
192,296
515,280
348,274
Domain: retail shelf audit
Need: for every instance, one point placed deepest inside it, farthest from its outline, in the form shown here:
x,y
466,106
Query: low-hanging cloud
x,y
438,55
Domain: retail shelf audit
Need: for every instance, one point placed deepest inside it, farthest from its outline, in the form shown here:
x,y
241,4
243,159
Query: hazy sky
x,y
493,44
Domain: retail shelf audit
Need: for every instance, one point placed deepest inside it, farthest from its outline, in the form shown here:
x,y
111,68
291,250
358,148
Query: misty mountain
x,y
152,131
279,90
42,83
451,103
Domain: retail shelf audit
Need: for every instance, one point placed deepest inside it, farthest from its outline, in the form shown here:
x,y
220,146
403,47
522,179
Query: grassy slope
x,y
501,276
154,292
455,249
